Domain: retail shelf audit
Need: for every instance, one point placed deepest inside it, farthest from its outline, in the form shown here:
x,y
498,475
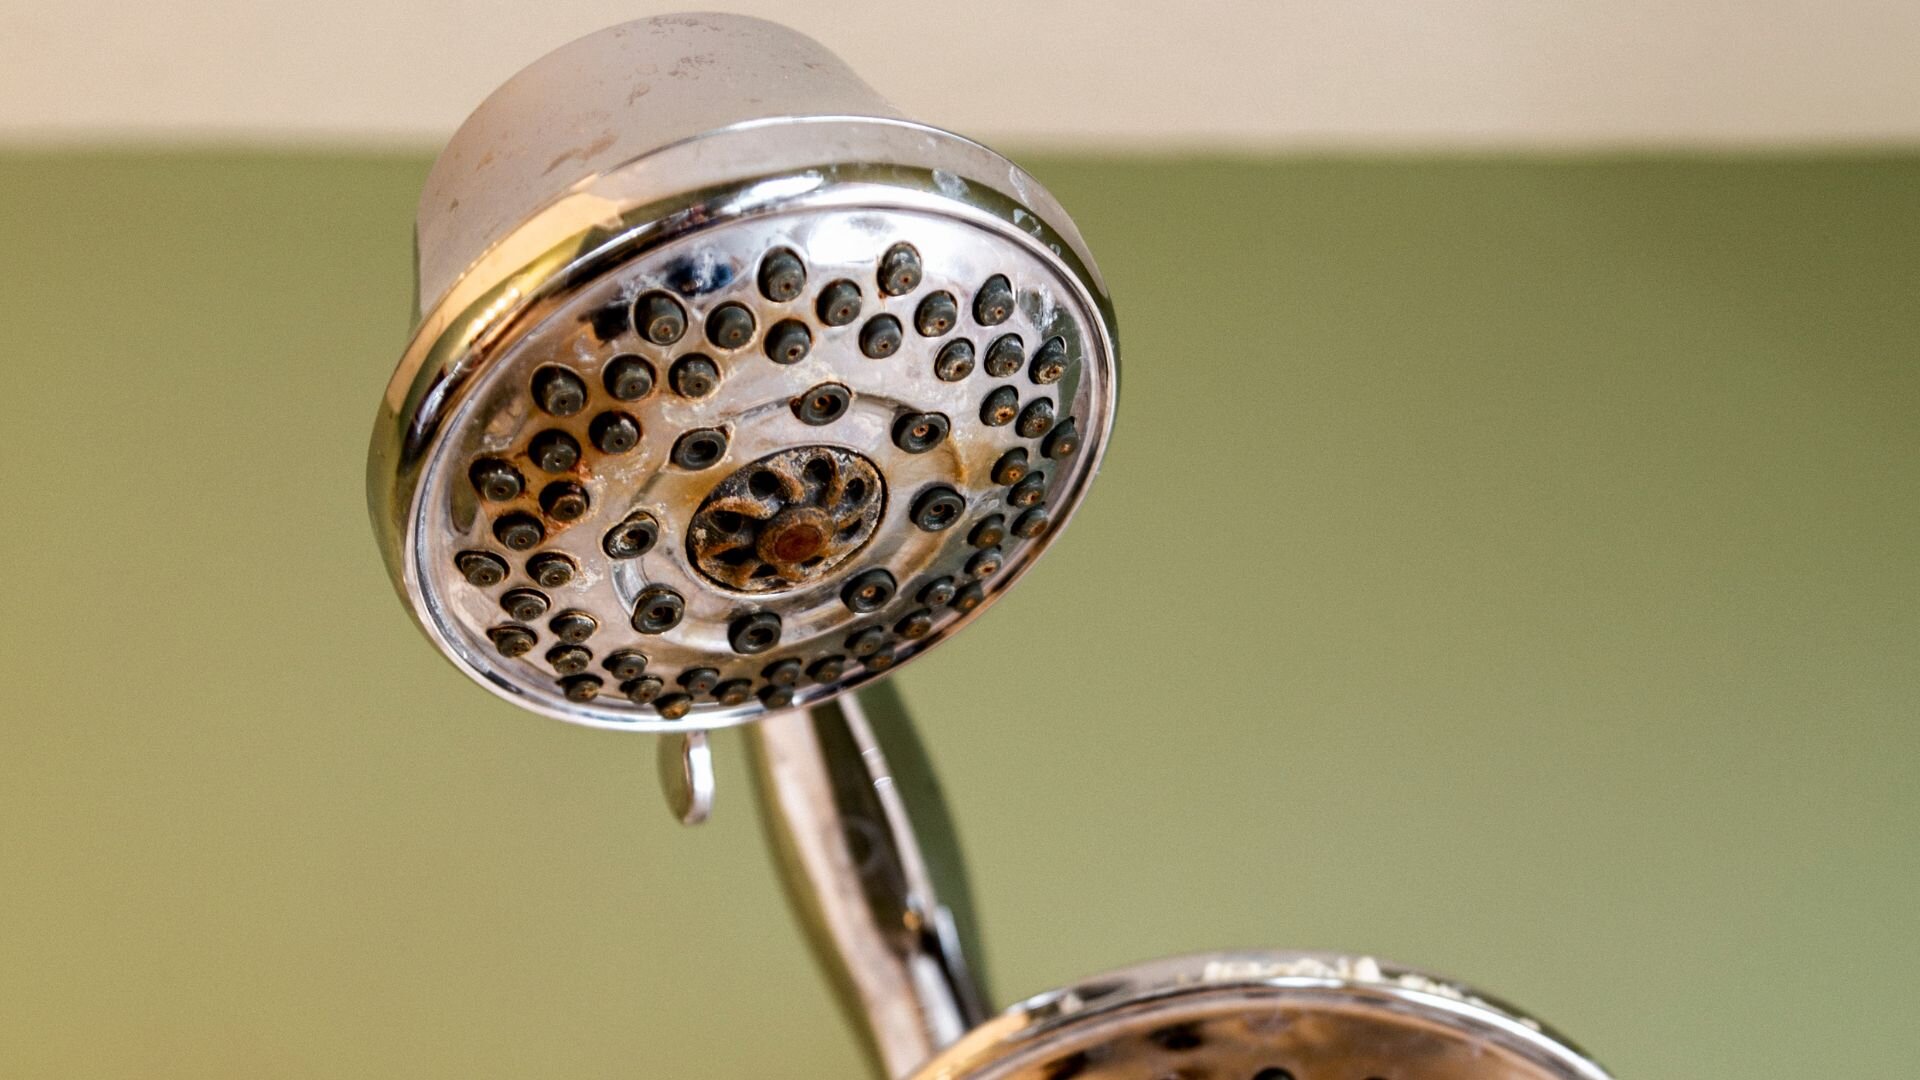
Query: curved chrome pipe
x,y
872,867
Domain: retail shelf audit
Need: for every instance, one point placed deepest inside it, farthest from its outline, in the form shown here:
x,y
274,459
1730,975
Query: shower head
x,y
1263,1016
731,388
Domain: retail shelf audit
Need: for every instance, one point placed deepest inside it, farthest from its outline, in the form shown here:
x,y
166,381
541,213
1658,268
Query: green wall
x,y
1506,567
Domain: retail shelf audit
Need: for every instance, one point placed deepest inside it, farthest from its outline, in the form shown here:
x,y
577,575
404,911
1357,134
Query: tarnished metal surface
x,y
786,520
717,524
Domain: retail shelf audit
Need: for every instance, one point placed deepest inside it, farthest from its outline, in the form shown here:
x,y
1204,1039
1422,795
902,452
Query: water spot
x,y
698,274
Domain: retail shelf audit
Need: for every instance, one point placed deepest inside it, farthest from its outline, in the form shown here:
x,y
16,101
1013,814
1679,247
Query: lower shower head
x,y
716,407
1263,1016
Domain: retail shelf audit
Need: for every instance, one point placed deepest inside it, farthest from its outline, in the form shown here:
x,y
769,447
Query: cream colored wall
x,y
1234,72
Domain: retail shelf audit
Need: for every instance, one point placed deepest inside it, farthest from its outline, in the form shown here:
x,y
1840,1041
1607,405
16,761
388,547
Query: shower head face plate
x,y
753,463
1274,1016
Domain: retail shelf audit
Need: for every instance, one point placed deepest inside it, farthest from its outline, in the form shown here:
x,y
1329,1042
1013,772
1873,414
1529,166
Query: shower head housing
x,y
731,387
1263,1016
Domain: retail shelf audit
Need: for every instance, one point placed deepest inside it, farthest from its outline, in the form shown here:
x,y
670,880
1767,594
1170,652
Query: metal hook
x,y
686,775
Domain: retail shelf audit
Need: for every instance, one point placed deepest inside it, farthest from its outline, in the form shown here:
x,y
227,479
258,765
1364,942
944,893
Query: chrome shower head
x,y
731,387
1263,1016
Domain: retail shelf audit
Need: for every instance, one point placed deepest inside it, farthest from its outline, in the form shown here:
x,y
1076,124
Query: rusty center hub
x,y
787,519
795,535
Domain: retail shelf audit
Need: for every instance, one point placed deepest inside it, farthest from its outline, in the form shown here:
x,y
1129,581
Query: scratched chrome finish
x,y
872,866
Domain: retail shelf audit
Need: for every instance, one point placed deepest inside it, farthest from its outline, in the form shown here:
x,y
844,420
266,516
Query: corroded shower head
x,y
731,388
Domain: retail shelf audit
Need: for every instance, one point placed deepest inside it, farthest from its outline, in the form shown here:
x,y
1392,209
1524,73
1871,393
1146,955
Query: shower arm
x,y
871,866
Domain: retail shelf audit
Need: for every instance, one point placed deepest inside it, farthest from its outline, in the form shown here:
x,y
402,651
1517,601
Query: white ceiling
x,y
1247,73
